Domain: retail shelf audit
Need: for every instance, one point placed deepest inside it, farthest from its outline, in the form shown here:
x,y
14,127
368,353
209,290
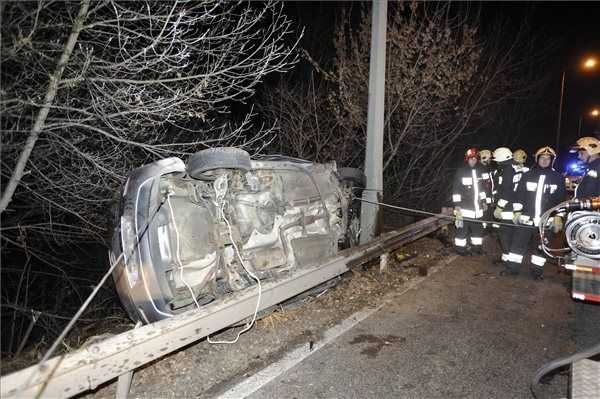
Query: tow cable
x,y
440,216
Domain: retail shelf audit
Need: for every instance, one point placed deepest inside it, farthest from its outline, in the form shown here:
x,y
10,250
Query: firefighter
x,y
507,178
588,151
505,155
485,160
468,196
539,190
520,157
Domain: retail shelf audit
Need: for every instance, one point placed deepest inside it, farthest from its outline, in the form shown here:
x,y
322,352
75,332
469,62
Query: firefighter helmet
x,y
591,145
545,151
502,154
485,156
520,156
471,153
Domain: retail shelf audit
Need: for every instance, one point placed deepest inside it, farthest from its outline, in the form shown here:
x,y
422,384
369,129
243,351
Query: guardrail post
x,y
124,380
383,262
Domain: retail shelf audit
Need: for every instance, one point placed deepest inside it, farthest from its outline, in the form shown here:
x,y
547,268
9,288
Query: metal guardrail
x,y
85,369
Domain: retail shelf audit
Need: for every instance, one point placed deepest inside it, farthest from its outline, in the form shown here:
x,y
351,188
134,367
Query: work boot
x,y
509,270
462,251
537,273
477,250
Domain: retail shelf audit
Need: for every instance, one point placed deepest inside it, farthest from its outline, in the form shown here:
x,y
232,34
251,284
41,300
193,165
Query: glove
x,y
458,222
498,213
557,224
517,218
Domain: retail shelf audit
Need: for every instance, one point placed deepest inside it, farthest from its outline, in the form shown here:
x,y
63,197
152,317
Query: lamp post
x,y
594,113
588,63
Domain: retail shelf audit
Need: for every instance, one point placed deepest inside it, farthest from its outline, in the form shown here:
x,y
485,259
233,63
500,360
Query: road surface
x,y
465,332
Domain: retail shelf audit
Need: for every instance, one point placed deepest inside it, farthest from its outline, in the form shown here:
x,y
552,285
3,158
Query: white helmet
x,y
502,154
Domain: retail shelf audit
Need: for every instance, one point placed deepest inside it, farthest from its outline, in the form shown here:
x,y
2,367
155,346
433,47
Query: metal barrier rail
x,y
85,369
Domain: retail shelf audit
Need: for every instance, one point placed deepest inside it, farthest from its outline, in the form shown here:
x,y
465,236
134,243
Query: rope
x,y
440,216
84,305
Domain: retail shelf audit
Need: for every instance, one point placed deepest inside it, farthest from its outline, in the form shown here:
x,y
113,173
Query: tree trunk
x,y
40,119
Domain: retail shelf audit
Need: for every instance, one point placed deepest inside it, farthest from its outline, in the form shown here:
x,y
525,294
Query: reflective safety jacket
x,y
508,176
538,190
487,175
469,192
590,184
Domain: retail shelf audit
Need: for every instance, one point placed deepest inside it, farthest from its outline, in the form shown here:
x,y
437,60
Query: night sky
x,y
573,30
575,27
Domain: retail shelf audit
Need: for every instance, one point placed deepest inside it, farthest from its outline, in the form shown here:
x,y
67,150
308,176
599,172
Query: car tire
x,y
353,175
217,158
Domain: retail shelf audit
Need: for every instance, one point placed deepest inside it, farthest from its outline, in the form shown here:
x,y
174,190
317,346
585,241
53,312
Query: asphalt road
x,y
465,332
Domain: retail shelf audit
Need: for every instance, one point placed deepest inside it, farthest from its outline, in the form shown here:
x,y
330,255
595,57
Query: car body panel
x,y
282,214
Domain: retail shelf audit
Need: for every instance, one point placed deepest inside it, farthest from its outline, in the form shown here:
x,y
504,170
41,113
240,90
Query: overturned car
x,y
190,234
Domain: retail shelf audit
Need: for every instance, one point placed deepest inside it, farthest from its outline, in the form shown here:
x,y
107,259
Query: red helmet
x,y
471,153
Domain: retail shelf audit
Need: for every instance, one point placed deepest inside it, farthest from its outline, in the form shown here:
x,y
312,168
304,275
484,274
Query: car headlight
x,y
130,252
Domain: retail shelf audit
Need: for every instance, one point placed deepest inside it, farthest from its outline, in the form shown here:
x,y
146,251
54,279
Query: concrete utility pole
x,y
374,154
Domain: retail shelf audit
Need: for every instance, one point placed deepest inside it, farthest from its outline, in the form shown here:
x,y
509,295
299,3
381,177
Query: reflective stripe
x,y
524,219
456,197
467,181
505,257
495,225
476,188
506,215
460,242
499,179
538,198
477,240
538,260
517,206
570,267
468,213
536,221
531,186
515,258
501,202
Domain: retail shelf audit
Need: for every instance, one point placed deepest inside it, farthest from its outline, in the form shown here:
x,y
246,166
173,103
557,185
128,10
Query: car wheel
x,y
354,175
217,158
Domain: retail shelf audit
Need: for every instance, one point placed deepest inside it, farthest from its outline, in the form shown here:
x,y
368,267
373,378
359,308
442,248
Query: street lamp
x,y
594,113
588,63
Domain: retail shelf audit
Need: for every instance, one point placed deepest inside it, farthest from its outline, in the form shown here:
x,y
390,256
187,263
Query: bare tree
x,y
91,89
300,109
445,80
